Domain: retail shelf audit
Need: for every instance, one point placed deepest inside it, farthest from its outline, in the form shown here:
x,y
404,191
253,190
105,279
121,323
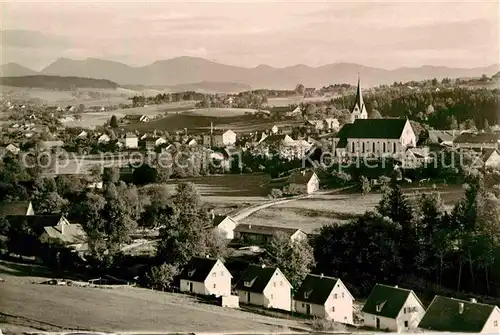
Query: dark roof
x,y
373,128
198,269
263,230
257,276
274,138
390,298
487,153
443,314
477,138
315,289
133,116
14,208
219,218
300,178
35,222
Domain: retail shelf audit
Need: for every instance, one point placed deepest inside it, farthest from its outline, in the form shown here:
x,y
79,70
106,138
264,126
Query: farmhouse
x,y
265,286
325,297
13,149
224,226
71,234
16,208
491,158
442,137
133,118
302,182
479,141
103,139
261,235
284,146
358,110
219,138
374,138
131,141
453,315
393,309
206,276
82,134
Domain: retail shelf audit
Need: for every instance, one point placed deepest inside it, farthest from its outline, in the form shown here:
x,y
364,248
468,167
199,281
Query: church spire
x,y
358,110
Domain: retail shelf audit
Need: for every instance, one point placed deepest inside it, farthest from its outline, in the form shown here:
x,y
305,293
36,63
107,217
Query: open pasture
x,y
293,100
199,122
229,188
91,120
311,213
120,309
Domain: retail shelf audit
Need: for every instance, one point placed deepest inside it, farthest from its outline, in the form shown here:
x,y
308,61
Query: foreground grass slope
x,y
121,309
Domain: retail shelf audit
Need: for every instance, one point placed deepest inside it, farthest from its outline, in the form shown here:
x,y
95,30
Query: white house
x,y
131,141
159,141
206,276
265,286
13,149
331,123
219,138
374,138
358,111
491,158
325,297
392,308
261,235
274,129
224,225
104,139
459,316
82,134
302,182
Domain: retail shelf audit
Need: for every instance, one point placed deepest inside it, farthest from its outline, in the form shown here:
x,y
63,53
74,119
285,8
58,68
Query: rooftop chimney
x,y
321,276
460,307
473,300
263,265
395,286
207,256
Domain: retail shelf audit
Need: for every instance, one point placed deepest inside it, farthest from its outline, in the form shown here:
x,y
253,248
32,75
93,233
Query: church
x,y
364,137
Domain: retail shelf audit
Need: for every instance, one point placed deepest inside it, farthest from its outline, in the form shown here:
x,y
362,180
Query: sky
x,y
243,33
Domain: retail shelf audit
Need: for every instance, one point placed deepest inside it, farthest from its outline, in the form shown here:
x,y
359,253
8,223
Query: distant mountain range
x,y
189,70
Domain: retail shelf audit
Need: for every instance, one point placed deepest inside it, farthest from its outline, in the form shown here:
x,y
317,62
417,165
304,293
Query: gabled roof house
x,y
460,316
325,297
206,276
265,286
392,308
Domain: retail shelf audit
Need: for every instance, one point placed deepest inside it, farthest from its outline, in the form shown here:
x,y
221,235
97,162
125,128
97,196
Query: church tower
x,y
358,111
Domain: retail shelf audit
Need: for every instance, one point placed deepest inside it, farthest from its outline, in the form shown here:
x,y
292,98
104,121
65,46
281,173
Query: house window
x,y
272,296
333,309
406,324
383,146
363,145
342,294
274,284
281,283
222,273
214,274
215,285
335,296
373,147
495,323
303,305
394,147
352,147
404,310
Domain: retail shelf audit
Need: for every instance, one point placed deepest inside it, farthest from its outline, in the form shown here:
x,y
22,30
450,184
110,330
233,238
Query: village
x,y
89,224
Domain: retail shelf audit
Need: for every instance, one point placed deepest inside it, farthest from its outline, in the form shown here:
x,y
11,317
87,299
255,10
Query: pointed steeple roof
x,y
359,99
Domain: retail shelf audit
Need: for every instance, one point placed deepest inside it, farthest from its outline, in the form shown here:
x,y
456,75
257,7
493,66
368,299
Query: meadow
x,y
92,120
120,309
310,214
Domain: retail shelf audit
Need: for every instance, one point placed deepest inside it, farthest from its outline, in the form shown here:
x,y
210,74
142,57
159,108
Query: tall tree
x,y
113,122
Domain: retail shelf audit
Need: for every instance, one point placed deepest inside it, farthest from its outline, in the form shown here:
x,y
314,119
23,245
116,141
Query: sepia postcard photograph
x,y
249,167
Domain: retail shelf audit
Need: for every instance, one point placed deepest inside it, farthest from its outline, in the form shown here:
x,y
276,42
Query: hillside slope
x,y
56,82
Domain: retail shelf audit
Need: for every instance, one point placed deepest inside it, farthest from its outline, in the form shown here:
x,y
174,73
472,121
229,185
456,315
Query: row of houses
x,y
388,308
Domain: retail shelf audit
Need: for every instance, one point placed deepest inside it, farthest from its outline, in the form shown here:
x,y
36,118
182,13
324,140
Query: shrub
x,y
323,324
275,193
161,277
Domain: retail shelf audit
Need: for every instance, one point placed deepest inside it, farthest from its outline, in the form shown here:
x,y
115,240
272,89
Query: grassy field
x,y
121,309
224,189
90,120
310,214
294,100
200,122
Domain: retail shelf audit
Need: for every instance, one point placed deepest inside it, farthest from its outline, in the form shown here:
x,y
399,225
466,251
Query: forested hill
x,y
57,82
